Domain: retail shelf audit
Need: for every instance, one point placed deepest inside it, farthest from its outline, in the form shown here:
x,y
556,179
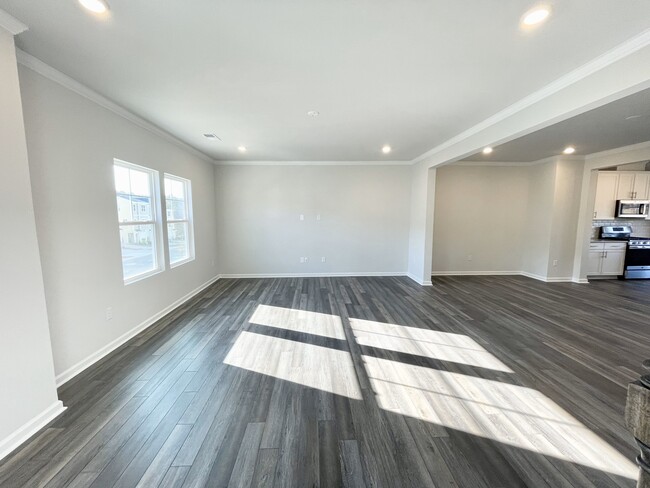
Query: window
x,y
136,189
178,203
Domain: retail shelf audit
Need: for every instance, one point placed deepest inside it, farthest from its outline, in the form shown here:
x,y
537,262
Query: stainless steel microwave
x,y
632,209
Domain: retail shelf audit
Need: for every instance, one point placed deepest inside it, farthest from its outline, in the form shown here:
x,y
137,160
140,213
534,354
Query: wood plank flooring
x,y
359,382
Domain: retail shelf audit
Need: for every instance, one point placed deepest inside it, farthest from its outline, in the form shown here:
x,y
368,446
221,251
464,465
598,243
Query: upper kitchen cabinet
x,y
619,185
606,193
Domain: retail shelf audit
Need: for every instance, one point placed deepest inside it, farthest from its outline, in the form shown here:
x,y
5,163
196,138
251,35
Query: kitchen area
x,y
620,243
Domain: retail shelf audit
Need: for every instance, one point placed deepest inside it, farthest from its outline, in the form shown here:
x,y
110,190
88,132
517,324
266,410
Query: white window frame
x,y
154,181
189,219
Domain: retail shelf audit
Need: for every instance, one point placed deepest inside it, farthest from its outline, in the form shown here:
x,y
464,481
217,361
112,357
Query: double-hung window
x,y
137,192
180,235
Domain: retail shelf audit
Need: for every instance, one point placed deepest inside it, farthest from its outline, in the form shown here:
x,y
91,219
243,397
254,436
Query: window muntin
x,y
136,190
178,209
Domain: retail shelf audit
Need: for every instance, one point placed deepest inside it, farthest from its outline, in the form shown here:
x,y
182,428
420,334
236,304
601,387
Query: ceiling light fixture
x,y
536,16
386,149
313,113
632,117
241,149
569,150
487,150
95,6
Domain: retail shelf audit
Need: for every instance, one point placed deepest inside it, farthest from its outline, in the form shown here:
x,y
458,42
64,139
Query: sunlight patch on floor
x,y
511,414
423,342
320,324
317,367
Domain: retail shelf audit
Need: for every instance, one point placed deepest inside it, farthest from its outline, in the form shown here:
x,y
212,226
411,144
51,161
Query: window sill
x,y
140,277
180,263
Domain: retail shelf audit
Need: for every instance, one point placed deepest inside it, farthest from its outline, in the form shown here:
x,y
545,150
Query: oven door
x,y
637,263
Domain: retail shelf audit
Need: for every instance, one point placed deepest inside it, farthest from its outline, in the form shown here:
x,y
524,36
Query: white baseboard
x,y
315,275
419,281
74,370
475,273
15,440
545,279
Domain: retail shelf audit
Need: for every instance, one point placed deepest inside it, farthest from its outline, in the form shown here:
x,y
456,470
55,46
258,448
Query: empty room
x,y
325,244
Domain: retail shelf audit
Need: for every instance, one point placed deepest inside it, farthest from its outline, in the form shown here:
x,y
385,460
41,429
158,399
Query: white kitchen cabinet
x,y
613,263
619,185
625,186
606,259
606,189
641,188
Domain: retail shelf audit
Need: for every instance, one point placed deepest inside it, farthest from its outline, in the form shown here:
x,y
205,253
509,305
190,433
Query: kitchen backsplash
x,y
640,228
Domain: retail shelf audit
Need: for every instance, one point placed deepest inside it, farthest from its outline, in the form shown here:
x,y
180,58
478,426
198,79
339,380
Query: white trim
x,y
619,52
19,436
545,279
418,280
74,370
316,275
311,163
11,23
43,69
475,273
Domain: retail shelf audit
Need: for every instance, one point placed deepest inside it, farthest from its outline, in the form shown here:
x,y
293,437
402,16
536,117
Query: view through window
x,y
136,210
179,223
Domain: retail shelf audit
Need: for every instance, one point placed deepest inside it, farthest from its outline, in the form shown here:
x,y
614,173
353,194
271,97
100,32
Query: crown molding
x,y
618,150
522,164
549,159
311,163
35,64
11,23
610,57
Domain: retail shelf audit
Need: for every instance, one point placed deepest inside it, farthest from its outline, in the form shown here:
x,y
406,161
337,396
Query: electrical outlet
x,y
306,260
302,216
322,260
554,262
318,217
109,313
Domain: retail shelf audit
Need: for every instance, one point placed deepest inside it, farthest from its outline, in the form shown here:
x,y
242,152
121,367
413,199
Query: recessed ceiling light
x,y
536,16
95,6
569,150
241,148
313,113
386,149
211,136
487,150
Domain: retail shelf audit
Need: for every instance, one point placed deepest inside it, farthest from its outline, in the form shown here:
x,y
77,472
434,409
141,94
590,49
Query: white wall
x,y
27,388
72,142
566,210
479,211
363,228
539,219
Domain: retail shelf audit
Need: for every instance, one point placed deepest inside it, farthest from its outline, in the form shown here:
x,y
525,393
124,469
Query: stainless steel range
x,y
637,256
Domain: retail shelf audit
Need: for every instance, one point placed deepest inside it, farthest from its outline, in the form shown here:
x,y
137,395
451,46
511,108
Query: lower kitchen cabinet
x,y
606,259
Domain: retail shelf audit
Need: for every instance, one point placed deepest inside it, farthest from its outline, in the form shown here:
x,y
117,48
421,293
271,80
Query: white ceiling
x,y
603,128
409,73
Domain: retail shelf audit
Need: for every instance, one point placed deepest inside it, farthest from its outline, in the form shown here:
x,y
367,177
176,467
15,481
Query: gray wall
x,y
363,229
479,212
72,142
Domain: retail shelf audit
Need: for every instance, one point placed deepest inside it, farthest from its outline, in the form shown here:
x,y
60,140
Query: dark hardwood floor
x,y
474,382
